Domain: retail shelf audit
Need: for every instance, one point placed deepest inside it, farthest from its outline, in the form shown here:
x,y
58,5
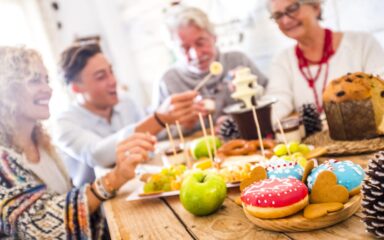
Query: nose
x,y
112,79
285,19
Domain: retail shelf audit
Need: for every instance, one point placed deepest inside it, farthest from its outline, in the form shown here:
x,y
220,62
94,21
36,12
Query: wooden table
x,y
165,218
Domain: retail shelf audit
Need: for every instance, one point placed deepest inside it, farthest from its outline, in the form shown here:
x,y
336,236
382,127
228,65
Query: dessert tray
x,y
322,139
298,223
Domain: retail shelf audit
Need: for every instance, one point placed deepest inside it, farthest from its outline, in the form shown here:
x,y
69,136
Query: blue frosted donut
x,y
281,168
349,174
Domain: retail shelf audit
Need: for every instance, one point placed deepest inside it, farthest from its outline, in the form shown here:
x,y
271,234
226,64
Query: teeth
x,y
42,102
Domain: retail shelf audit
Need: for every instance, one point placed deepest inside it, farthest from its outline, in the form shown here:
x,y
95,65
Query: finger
x,y
146,145
138,150
139,135
184,96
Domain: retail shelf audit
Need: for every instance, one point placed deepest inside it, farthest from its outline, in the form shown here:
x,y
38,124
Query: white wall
x,y
134,36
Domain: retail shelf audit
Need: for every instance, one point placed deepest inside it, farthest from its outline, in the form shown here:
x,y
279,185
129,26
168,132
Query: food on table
x,y
275,198
168,179
293,147
209,104
202,192
257,174
326,189
175,156
291,129
349,174
246,86
354,106
240,147
321,209
285,167
199,146
203,164
235,172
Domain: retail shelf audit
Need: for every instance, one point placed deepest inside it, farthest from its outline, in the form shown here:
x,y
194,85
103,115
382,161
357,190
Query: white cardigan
x,y
357,52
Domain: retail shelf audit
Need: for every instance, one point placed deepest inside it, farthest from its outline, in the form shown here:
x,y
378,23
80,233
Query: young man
x,y
194,37
88,131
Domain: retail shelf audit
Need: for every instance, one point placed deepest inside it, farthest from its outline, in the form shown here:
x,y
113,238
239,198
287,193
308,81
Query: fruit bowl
x,y
298,223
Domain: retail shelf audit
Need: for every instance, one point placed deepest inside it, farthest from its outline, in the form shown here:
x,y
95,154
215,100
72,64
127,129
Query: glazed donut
x,y
235,148
275,198
349,174
281,168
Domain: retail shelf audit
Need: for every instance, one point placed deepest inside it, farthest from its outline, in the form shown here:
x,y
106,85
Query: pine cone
x,y
373,196
229,129
310,118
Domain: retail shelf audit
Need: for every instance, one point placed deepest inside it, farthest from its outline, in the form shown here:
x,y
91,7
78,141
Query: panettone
x,y
354,106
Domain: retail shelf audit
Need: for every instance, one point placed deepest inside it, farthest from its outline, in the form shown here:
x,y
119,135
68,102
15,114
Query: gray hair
x,y
310,2
181,16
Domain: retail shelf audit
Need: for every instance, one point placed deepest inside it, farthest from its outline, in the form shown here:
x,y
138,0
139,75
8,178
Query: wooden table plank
x,y
229,222
145,219
352,228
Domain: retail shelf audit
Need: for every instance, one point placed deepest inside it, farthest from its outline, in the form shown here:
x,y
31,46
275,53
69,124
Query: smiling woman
x,y
37,198
300,74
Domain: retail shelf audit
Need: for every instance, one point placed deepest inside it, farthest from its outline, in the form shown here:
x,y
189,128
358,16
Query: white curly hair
x,y
181,15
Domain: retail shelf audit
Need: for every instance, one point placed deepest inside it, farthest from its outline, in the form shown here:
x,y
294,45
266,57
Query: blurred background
x,y
137,43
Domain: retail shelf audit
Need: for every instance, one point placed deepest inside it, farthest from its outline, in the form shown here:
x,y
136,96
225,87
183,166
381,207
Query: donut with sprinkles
x,y
275,198
349,174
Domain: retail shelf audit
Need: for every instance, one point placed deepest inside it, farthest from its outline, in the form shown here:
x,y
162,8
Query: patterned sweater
x,y
29,211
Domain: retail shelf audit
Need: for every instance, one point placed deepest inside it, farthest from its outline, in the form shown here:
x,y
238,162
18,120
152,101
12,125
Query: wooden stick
x,y
283,134
189,164
202,82
212,133
258,130
171,139
205,136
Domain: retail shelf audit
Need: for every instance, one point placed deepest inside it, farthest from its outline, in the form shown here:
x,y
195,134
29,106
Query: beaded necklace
x,y
304,64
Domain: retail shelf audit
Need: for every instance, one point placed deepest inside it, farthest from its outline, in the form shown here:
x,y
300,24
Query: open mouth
x,y
41,102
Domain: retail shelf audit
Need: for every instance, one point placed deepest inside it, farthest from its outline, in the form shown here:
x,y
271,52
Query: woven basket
x,y
322,139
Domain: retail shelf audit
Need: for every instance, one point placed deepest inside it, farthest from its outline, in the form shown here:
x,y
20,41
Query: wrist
x,y
159,119
163,118
112,181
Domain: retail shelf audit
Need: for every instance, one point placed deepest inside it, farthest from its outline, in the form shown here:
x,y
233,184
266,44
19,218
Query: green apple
x,y
199,146
202,192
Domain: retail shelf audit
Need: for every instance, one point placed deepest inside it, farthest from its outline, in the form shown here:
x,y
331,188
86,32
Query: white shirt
x,y
356,52
49,172
86,140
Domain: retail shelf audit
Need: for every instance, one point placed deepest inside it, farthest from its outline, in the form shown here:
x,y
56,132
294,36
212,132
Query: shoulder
x,y
234,56
358,37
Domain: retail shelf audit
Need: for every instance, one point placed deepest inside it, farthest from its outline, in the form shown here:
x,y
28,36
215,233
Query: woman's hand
x,y
130,152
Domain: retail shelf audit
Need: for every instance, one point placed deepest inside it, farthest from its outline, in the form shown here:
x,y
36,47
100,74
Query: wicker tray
x,y
322,139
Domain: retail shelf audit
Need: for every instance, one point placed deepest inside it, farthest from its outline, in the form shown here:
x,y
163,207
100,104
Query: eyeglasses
x,y
290,11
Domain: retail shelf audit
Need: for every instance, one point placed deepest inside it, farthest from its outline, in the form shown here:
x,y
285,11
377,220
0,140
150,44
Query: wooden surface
x,y
165,218
298,223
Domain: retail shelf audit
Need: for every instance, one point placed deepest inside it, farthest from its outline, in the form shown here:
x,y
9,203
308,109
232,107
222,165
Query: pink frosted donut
x,y
275,198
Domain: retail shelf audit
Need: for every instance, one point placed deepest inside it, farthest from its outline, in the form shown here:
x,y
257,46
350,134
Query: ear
x,y
76,88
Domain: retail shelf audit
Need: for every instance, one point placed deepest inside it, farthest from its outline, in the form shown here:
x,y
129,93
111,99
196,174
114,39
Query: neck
x,y
23,137
105,113
313,41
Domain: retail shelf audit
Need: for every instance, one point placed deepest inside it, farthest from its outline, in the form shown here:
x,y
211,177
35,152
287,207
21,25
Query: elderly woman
x,y
37,199
298,75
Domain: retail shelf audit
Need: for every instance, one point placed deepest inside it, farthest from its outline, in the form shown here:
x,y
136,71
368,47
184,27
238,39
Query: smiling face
x,y
33,96
295,19
97,83
197,47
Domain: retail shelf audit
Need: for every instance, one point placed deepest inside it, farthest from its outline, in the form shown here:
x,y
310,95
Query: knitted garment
x,y
29,211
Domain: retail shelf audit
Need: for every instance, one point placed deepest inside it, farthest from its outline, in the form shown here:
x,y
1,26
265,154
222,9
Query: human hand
x,y
129,153
178,107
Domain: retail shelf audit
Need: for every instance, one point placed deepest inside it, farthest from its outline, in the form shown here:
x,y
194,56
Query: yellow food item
x,y
203,164
215,68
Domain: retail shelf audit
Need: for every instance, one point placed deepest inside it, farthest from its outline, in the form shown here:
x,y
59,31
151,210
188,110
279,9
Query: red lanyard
x,y
305,71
